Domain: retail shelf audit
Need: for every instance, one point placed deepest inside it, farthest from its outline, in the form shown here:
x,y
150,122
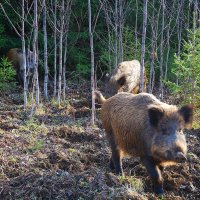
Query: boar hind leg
x,y
115,160
155,174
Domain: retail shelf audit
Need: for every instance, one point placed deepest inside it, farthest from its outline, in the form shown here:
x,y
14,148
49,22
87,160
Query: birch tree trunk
x,y
109,47
46,69
136,19
168,40
161,50
188,16
55,51
67,20
179,29
60,51
116,33
92,63
197,13
24,56
35,38
109,31
143,45
120,32
152,70
64,68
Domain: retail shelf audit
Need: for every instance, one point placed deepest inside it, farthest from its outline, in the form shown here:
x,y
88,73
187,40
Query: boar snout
x,y
180,157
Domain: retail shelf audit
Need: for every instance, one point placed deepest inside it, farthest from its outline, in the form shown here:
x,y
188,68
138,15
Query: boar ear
x,y
187,113
122,81
155,114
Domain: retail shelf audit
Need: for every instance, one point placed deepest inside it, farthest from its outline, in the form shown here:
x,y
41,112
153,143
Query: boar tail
x,y
100,98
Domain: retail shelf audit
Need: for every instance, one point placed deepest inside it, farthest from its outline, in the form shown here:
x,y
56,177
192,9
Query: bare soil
x,y
57,154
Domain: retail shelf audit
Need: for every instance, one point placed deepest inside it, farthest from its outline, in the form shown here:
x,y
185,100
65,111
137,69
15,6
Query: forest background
x,y
163,35
48,148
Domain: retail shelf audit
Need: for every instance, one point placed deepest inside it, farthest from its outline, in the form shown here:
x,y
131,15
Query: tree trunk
x,y
143,45
64,68
168,40
136,39
179,29
109,49
116,33
55,51
60,51
92,63
46,69
152,57
35,38
197,13
109,26
67,20
24,57
120,32
161,50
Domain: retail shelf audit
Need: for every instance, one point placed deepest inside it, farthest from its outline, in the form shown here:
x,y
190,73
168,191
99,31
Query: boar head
x,y
168,140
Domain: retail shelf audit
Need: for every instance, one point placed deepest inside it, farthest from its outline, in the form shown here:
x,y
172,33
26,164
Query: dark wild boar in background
x,y
15,56
141,125
125,78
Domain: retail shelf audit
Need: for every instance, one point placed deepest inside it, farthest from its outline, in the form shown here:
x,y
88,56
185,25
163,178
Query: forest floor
x,y
56,154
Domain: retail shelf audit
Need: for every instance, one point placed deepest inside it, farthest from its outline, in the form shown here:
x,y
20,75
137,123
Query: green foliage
x,y
7,74
36,145
188,69
129,45
83,69
8,39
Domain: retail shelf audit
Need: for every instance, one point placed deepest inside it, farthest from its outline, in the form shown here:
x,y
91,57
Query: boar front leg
x,y
115,160
155,174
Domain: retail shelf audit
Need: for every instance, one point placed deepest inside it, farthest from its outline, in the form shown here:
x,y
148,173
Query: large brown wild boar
x,y
15,56
125,78
141,125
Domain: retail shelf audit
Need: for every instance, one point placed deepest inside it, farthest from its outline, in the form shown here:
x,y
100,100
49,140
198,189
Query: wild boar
x,y
125,78
142,126
15,56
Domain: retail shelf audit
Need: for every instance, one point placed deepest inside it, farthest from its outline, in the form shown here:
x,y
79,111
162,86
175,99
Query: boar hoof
x,y
119,171
158,190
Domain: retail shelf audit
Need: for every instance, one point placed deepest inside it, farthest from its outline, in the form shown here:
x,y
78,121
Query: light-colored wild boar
x,y
125,78
141,125
15,56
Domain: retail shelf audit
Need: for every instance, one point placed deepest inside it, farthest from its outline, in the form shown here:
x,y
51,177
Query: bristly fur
x,y
126,118
141,125
125,78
